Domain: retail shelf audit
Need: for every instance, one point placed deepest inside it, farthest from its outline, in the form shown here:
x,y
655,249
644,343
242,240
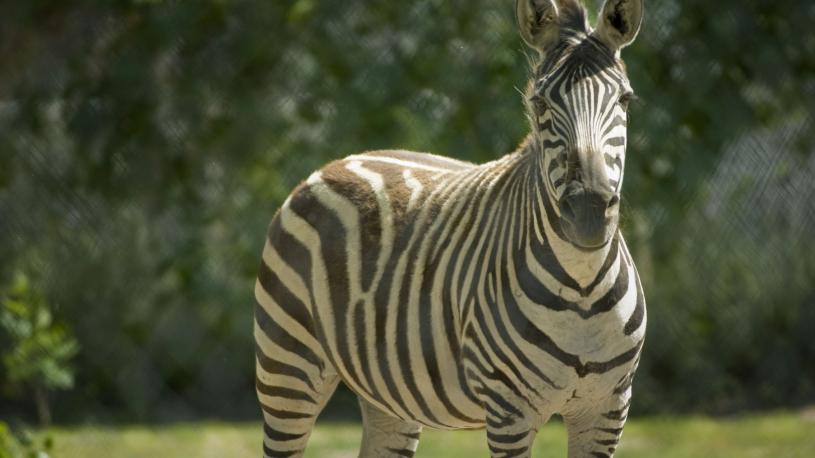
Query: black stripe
x,y
268,452
279,436
618,414
552,144
539,294
508,410
610,258
506,438
635,321
508,453
285,414
285,299
624,383
281,392
283,338
546,125
616,141
360,345
370,224
614,294
291,250
605,366
277,367
549,212
606,442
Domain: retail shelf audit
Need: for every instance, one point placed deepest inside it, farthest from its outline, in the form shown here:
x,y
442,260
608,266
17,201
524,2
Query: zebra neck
x,y
577,269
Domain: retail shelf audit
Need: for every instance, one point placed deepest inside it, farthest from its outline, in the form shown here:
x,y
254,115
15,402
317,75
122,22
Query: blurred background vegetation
x,y
144,146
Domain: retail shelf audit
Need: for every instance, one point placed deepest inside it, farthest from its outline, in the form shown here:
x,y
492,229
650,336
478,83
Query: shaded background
x,y
144,146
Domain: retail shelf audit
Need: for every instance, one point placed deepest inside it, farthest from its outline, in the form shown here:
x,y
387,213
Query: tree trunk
x,y
43,411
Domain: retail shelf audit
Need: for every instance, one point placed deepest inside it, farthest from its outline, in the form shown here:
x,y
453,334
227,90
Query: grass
x,y
777,435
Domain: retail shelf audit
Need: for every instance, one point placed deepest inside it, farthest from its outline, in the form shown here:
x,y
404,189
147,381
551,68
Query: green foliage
x,y
738,313
40,350
37,351
23,445
144,146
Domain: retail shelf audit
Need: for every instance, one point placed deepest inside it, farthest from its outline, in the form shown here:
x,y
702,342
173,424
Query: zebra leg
x,y
294,378
289,414
386,436
293,382
510,430
509,437
595,430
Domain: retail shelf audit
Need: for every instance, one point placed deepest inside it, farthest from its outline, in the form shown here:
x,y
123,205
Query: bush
x,y
23,445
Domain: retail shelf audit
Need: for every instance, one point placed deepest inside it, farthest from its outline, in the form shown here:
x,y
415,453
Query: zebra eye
x,y
539,103
626,99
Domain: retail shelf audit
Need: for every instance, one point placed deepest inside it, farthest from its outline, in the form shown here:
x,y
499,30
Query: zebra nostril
x,y
614,201
566,210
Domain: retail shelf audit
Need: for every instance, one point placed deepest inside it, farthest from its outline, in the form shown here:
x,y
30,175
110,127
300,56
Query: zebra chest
x,y
550,353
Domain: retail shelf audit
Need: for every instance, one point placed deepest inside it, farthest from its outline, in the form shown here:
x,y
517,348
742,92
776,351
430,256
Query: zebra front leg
x,y
510,429
509,436
386,436
595,429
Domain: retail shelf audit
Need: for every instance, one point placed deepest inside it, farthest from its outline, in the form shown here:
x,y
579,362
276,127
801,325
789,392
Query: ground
x,y
777,435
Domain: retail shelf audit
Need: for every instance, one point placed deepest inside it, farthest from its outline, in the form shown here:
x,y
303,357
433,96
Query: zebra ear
x,y
537,21
619,23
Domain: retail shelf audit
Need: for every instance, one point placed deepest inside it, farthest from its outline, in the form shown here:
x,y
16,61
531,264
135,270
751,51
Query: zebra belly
x,y
383,358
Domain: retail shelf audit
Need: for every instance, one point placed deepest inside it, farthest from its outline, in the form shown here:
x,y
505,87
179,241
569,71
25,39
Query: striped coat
x,y
444,294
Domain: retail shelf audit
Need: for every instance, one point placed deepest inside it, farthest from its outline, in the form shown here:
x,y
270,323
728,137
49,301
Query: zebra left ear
x,y
537,21
619,23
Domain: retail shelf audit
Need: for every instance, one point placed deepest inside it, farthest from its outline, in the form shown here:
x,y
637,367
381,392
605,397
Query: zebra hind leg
x,y
386,436
287,424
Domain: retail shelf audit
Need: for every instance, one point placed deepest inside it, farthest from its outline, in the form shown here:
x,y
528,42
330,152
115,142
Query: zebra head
x,y
578,101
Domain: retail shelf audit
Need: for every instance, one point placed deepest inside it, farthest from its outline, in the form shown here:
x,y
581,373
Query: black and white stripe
x,y
445,294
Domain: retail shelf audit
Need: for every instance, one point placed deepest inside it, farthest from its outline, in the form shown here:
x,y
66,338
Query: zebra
x,y
452,295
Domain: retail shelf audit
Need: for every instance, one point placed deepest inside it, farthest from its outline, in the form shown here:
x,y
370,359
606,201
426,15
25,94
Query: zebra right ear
x,y
537,21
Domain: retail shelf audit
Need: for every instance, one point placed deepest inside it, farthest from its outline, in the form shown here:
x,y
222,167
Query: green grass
x,y
777,435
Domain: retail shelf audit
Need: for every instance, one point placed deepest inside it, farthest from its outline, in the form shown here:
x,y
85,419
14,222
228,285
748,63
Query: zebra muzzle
x,y
588,217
